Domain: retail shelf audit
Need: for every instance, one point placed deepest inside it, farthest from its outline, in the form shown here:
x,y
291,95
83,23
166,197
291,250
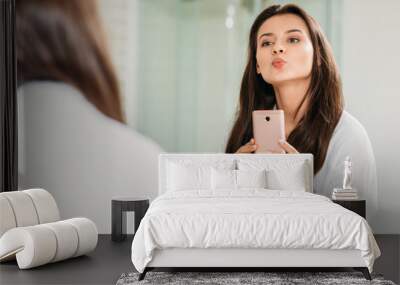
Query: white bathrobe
x,y
82,157
350,139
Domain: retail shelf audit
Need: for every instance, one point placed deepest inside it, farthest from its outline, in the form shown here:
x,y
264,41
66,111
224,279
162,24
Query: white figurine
x,y
347,174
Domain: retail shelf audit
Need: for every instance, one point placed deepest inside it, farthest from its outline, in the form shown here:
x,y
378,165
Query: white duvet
x,y
250,218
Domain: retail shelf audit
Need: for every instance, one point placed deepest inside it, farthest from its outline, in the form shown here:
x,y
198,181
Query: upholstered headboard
x,y
272,161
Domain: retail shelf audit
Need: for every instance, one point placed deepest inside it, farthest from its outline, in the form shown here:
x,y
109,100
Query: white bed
x,y
206,225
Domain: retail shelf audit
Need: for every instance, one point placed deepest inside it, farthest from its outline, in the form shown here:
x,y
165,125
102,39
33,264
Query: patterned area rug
x,y
229,278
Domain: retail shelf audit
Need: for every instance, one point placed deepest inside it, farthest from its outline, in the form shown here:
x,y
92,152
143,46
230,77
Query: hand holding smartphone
x,y
268,130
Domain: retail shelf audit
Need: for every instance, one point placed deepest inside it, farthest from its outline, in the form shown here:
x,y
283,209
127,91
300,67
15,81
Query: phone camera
x,y
267,118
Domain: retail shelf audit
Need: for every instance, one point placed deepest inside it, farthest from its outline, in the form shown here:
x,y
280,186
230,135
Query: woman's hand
x,y
248,147
251,146
287,147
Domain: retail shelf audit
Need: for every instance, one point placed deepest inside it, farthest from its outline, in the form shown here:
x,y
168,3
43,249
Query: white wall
x,y
370,62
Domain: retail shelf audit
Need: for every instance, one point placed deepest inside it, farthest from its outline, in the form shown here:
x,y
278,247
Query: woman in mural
x,y
291,67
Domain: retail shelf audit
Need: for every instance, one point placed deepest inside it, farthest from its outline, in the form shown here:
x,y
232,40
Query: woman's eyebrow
x,y
288,31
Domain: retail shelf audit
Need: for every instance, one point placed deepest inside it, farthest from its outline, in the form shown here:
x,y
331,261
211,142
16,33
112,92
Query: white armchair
x,y
31,230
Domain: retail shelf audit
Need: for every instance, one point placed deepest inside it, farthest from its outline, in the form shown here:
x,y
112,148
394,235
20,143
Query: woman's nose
x,y
277,50
278,47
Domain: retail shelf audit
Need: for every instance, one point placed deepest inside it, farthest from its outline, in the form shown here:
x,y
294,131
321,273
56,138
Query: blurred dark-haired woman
x,y
73,139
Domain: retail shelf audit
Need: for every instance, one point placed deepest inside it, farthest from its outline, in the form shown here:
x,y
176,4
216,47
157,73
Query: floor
x,y
111,259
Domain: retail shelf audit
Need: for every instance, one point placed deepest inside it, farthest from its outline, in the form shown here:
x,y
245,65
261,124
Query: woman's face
x,y
284,49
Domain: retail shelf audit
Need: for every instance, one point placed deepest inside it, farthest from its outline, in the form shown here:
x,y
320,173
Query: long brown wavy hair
x,y
62,40
314,130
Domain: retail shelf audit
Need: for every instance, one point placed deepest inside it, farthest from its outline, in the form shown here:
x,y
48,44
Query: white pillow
x,y
236,179
251,178
223,179
184,177
282,174
293,179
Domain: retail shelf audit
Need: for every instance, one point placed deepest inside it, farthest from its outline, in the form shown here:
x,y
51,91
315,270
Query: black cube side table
x,y
119,207
357,206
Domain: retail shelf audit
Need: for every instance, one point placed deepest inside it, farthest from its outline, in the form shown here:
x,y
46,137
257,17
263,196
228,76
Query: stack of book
x,y
344,194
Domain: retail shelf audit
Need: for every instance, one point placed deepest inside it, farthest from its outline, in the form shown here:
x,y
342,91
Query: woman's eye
x,y
265,43
294,40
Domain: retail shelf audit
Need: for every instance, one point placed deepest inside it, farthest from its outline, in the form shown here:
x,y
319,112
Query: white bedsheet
x,y
250,218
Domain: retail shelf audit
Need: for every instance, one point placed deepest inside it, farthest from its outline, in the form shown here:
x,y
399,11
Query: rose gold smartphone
x,y
268,129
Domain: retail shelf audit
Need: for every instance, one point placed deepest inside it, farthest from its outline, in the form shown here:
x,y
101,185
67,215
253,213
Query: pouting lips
x,y
278,64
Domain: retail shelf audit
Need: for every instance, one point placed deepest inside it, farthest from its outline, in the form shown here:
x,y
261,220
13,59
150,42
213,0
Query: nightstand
x,y
119,207
357,206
